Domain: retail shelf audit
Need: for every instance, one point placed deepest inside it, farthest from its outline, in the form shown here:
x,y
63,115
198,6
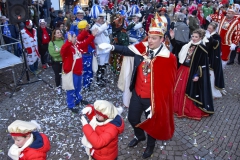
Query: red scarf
x,y
45,36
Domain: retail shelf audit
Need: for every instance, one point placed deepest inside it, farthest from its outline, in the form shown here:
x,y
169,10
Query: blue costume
x,y
135,32
87,67
74,27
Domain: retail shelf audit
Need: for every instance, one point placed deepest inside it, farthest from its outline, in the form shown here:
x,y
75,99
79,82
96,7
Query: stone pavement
x,y
216,137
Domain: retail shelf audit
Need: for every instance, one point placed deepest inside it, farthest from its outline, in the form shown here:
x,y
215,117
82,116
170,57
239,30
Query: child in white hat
x,y
101,134
28,143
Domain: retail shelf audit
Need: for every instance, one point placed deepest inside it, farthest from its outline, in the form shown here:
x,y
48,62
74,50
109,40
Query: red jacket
x,y
67,52
104,139
84,34
38,149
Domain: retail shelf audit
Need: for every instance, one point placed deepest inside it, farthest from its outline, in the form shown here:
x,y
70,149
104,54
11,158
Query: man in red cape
x,y
152,86
229,30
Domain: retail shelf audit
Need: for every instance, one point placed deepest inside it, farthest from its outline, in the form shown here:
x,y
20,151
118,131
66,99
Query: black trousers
x,y
233,55
57,68
137,106
43,48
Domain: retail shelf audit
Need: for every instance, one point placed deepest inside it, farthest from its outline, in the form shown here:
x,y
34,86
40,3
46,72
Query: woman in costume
x,y
88,51
215,64
192,92
72,51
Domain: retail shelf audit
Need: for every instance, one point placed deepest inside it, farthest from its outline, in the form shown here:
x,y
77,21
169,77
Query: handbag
x,y
67,79
94,64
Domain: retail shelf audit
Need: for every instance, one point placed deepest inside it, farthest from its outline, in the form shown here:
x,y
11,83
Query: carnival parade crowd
x,y
168,56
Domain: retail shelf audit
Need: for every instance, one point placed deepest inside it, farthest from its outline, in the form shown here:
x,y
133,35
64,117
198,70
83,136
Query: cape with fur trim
x,y
163,76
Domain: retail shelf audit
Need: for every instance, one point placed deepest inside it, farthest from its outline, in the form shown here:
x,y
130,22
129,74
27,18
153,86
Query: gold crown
x,y
158,25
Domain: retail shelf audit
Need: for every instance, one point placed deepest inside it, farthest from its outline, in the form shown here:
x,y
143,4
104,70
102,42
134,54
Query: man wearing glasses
x,y
79,17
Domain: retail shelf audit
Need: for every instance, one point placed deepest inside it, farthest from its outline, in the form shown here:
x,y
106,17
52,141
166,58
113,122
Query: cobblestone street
x,y
216,137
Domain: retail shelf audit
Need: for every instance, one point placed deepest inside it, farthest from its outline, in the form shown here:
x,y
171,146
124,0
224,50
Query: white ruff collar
x,y
14,152
183,53
213,33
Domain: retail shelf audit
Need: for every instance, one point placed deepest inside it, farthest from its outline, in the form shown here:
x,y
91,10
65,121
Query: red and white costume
x,y
217,17
31,45
229,32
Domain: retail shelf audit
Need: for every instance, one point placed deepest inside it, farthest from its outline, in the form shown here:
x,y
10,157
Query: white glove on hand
x,y
232,47
105,46
208,35
87,110
224,92
83,121
108,18
150,114
208,18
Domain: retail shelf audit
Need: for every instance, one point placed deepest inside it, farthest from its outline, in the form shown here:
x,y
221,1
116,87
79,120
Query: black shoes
x,y
101,84
84,102
134,142
148,152
105,80
74,110
230,63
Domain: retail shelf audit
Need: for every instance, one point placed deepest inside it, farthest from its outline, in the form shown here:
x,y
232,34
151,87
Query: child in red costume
x,y
101,134
28,145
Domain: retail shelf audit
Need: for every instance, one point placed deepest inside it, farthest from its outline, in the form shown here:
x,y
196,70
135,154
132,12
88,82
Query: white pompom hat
x,y
105,109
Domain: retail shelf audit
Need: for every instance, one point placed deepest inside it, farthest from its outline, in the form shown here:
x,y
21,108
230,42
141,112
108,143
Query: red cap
x,y
28,22
163,9
20,134
100,114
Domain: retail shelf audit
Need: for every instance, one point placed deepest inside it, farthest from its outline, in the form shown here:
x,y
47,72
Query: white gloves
x,y
83,121
150,114
105,46
208,18
232,47
87,110
224,92
108,18
208,35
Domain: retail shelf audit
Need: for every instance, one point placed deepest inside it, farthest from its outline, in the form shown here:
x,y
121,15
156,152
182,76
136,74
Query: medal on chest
x,y
44,36
146,67
225,25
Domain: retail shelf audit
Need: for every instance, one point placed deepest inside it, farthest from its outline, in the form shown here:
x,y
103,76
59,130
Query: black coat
x,y
177,46
200,92
215,63
39,35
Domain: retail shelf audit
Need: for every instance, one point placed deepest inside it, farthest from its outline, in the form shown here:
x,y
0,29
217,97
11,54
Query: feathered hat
x,y
96,11
158,26
134,10
105,109
77,9
28,23
22,128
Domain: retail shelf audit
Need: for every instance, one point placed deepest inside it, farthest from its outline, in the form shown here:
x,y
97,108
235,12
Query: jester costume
x,y
120,37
